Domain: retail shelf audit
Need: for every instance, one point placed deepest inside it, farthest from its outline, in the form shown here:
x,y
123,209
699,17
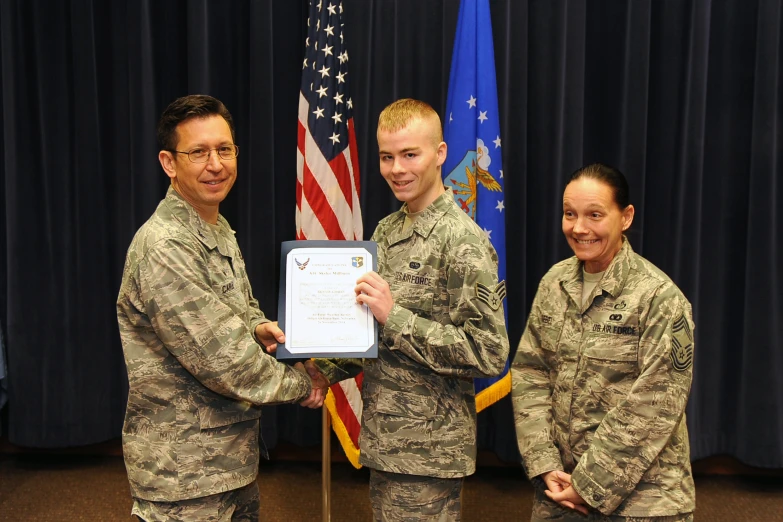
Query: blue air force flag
x,y
473,169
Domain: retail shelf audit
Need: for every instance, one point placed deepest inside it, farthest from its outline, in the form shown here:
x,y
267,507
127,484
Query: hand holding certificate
x,y
317,307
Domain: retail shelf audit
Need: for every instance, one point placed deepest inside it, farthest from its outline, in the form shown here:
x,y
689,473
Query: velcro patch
x,y
682,344
492,296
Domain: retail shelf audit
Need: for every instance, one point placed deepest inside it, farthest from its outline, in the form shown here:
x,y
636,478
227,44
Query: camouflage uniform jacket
x,y
600,390
196,374
419,413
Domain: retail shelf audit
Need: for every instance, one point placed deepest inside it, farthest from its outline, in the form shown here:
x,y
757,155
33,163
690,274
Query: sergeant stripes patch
x,y
682,344
493,297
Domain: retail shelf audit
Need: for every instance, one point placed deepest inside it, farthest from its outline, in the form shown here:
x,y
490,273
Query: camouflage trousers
x,y
544,510
238,505
412,498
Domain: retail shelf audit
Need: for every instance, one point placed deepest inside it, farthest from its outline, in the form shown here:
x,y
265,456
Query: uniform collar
x,y
614,277
184,212
425,221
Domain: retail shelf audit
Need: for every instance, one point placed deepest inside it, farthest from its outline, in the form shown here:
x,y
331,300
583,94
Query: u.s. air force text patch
x,y
682,344
492,296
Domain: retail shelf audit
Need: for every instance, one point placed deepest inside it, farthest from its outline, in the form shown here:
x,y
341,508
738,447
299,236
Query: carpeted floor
x,y
55,488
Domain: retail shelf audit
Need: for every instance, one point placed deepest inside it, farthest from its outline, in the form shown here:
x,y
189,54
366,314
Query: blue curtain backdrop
x,y
684,96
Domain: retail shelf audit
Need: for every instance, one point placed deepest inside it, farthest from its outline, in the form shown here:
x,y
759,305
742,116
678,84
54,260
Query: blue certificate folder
x,y
316,306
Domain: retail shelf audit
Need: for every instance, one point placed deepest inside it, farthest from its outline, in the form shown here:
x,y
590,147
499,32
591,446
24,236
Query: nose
x,y
397,167
213,160
579,226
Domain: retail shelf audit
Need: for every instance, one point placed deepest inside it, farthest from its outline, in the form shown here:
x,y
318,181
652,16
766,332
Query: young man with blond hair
x,y
437,331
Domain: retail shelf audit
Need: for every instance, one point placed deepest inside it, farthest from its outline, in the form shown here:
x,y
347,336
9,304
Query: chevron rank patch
x,y
492,296
682,344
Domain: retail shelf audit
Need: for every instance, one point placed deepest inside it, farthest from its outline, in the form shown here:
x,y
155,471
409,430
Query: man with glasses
x,y
194,337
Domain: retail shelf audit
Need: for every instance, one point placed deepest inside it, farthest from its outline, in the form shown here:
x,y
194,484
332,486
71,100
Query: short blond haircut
x,y
399,114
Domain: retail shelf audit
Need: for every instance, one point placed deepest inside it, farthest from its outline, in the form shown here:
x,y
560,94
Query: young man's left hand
x,y
372,290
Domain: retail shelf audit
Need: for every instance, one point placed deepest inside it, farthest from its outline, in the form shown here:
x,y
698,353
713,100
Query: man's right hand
x,y
319,379
319,383
269,334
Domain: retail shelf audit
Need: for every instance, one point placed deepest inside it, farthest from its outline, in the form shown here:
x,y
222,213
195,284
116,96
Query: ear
x,y
442,153
628,213
168,162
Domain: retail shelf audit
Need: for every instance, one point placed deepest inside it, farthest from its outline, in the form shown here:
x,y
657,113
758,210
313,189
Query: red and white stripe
x,y
327,192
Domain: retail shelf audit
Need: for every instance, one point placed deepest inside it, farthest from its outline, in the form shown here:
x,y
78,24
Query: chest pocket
x,y
611,348
415,300
551,330
225,283
415,291
607,349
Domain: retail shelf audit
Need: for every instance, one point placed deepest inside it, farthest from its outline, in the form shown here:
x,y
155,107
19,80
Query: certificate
x,y
317,308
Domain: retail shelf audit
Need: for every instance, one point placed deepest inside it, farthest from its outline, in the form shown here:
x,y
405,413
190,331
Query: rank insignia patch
x,y
682,344
493,297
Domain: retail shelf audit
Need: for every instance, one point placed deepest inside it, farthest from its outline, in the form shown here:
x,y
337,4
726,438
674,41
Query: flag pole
x,y
326,466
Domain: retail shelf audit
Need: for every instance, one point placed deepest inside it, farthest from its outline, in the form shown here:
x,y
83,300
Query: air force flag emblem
x,y
357,261
468,175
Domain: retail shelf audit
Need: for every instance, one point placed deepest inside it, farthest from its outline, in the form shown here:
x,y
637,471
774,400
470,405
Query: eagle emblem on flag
x,y
468,174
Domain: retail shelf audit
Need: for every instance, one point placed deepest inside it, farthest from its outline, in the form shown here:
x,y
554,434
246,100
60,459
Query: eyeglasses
x,y
226,152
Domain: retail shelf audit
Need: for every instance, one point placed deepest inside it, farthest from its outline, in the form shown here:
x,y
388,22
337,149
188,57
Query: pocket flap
x,y
406,404
212,417
610,352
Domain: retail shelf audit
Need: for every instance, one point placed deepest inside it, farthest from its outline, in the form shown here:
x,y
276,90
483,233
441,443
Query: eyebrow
x,y
202,145
403,151
590,206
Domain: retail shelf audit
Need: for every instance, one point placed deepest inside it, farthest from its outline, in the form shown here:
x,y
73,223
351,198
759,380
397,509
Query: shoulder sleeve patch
x,y
682,344
492,296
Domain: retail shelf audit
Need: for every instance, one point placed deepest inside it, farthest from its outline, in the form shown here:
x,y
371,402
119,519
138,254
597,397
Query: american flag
x,y
327,188
327,175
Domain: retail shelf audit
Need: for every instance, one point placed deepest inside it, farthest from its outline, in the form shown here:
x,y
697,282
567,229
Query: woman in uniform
x,y
603,371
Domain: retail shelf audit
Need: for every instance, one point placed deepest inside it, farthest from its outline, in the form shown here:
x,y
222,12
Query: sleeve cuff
x,y
591,491
395,325
542,459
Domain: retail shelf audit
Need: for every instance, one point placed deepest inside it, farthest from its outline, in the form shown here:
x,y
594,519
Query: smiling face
x,y
203,185
593,223
410,162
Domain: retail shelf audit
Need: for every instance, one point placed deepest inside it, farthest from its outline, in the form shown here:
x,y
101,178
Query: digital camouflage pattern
x,y
419,413
197,375
238,505
411,498
600,391
545,510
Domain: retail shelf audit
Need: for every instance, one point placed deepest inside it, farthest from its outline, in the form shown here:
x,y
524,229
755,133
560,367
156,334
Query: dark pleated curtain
x,y
683,96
